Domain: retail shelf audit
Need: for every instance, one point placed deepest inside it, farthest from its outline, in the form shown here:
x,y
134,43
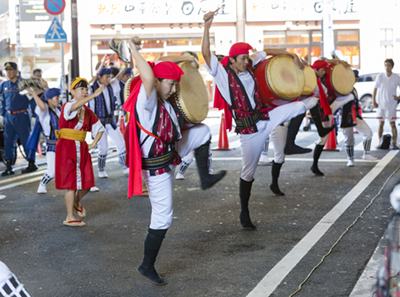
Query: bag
x,y
385,144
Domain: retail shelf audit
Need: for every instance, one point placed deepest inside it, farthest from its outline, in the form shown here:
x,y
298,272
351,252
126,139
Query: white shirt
x,y
146,109
44,118
387,87
222,81
115,87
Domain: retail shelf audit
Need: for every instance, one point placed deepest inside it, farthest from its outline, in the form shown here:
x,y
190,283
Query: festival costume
x,y
17,123
335,104
74,169
103,106
154,130
48,121
242,101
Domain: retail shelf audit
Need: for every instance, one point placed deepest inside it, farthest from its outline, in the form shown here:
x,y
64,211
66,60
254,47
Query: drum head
x,y
129,85
342,79
192,97
285,79
310,81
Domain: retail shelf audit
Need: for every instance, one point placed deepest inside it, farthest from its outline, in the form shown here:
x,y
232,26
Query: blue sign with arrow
x,y
56,32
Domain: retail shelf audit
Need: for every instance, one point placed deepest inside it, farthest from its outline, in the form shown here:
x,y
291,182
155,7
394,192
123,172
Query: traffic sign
x,y
54,7
56,32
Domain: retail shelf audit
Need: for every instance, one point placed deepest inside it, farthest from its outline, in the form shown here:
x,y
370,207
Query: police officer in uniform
x,y
15,117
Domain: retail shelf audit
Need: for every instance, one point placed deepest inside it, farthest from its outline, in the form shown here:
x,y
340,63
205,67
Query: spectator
x,y
37,73
15,117
385,87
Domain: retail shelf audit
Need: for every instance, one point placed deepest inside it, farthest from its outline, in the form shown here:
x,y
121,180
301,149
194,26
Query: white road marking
x,y
277,274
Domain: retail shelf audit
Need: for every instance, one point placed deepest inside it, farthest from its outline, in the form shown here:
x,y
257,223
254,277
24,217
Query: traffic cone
x,y
122,123
331,143
223,144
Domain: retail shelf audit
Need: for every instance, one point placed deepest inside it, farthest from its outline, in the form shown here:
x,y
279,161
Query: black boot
x,y
9,169
322,131
152,245
244,192
31,167
207,180
290,147
275,170
317,153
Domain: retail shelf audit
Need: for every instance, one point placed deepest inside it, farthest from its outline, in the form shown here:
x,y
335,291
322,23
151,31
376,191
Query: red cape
x,y
134,155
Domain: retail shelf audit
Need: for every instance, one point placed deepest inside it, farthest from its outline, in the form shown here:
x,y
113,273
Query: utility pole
x,y
18,47
328,43
75,52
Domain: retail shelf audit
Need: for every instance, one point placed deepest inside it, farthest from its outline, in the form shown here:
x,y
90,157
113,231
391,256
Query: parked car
x,y
365,88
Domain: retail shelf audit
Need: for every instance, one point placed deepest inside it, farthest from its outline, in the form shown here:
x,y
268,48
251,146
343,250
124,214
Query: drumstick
x,y
208,15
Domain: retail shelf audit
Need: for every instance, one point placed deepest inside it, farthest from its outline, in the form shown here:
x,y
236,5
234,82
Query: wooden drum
x,y
310,81
280,80
339,80
191,96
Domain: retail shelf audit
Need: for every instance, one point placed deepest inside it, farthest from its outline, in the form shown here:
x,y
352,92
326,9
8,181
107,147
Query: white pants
x,y
160,187
51,164
386,113
278,138
115,136
362,127
252,144
338,103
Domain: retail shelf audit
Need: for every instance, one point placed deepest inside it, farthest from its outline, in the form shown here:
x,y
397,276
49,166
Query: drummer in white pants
x,y
319,69
160,142
239,90
278,138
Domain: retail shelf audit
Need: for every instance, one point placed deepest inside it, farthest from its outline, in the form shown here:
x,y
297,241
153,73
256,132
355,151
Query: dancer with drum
x,y
351,118
74,169
156,142
336,101
103,106
241,98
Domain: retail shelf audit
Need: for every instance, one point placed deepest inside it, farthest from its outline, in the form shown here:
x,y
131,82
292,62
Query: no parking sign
x,y
54,7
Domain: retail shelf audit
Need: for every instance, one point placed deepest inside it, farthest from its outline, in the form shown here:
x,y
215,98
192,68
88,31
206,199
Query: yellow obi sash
x,y
71,134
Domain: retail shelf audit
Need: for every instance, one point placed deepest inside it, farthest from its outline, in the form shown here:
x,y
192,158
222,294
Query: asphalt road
x,y
205,252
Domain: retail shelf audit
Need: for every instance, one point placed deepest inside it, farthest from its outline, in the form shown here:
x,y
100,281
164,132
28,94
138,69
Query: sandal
x,y
74,223
80,211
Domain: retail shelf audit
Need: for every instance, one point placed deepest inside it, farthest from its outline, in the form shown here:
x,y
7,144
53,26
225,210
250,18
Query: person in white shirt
x,y
103,106
385,90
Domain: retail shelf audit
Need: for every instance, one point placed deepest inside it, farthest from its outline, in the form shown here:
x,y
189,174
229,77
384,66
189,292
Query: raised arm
x,y
344,63
146,73
79,103
205,44
38,101
275,52
120,74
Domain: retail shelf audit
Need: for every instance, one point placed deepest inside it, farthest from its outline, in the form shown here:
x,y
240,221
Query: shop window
x,y
296,37
347,35
153,43
316,36
275,37
350,54
177,42
196,41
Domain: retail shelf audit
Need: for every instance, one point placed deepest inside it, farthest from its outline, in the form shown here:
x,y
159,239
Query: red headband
x,y
239,48
319,64
167,70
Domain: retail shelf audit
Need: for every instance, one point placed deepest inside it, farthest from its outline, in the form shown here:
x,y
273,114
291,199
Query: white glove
x,y
1,121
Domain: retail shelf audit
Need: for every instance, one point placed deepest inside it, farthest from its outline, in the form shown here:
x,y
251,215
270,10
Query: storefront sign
x,y
160,11
33,10
299,10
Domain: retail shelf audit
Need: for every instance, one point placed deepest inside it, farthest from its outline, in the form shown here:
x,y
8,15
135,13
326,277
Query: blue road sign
x,y
56,32
54,7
